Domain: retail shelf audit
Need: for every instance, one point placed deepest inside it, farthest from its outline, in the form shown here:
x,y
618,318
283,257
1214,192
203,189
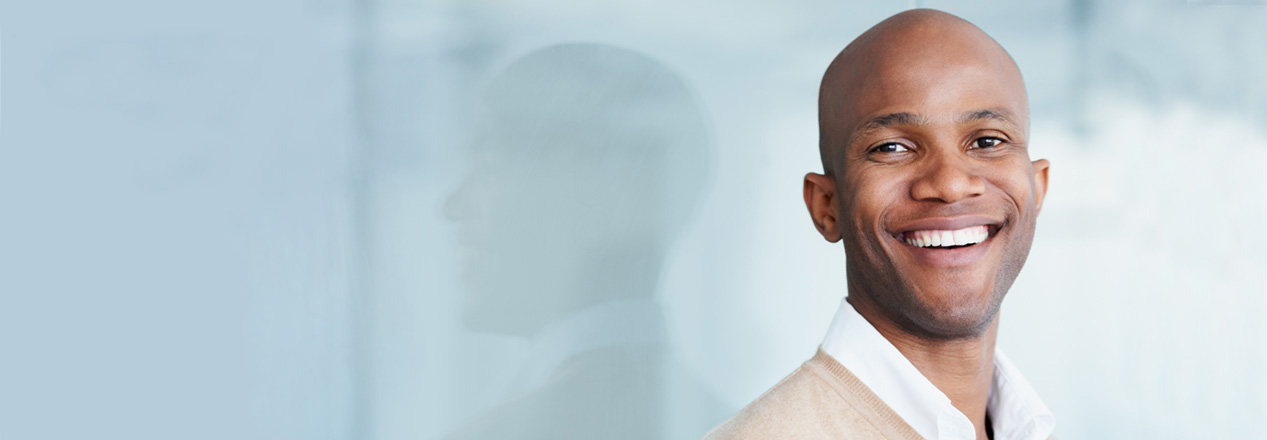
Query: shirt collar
x,y
610,324
1015,409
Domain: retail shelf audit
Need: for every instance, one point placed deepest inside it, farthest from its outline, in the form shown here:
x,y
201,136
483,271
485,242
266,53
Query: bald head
x,y
924,131
909,65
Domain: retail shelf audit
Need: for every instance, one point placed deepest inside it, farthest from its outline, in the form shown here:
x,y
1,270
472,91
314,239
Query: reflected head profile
x,y
586,166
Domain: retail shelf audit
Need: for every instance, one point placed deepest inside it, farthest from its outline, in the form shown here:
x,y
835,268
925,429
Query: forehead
x,y
937,70
937,89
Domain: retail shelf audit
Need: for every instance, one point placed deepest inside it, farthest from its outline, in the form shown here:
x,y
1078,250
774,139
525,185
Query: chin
x,y
483,310
964,324
954,313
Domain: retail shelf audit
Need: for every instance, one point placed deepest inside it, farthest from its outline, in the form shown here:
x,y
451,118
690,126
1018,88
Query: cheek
x,y
867,195
1015,178
1020,188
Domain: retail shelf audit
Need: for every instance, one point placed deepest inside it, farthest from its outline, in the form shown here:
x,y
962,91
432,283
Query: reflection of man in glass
x,y
585,171
923,126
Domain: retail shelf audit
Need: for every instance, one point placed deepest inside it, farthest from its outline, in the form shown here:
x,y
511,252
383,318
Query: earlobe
x,y
1041,167
820,199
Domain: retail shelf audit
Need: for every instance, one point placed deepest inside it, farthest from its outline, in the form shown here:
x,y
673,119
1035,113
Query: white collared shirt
x,y
1015,409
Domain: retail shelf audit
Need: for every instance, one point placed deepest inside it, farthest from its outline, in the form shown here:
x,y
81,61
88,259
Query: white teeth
x,y
940,238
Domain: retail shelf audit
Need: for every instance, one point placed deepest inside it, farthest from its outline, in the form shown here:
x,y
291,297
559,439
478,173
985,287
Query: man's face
x,y
937,195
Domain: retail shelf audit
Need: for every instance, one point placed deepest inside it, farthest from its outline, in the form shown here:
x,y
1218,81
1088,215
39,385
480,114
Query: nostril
x,y
948,182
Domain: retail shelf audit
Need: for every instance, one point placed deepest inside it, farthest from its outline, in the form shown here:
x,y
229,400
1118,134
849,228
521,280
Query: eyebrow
x,y
986,114
906,118
890,120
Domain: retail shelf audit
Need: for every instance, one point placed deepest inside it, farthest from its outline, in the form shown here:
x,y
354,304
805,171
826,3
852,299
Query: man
x,y
923,124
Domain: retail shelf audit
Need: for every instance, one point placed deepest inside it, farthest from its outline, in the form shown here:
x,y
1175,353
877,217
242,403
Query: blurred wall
x,y
236,219
177,241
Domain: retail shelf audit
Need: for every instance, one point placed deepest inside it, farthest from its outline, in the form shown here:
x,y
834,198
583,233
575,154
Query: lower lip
x,y
942,257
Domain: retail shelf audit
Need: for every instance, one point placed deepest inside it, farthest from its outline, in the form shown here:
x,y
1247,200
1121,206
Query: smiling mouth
x,y
948,239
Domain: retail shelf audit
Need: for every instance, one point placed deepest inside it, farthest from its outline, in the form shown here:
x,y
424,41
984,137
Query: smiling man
x,y
924,125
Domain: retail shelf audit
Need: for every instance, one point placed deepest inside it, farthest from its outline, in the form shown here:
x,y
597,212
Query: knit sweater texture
x,y
820,400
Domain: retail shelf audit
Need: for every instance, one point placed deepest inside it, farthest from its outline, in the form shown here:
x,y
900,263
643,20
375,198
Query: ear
x,y
1040,182
820,198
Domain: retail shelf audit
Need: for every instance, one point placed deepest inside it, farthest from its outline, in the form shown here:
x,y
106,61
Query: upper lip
x,y
947,224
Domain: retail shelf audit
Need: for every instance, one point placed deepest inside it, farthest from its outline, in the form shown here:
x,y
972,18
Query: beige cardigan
x,y
820,400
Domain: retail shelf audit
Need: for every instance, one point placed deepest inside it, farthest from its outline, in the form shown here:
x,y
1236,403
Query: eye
x,y
891,147
987,142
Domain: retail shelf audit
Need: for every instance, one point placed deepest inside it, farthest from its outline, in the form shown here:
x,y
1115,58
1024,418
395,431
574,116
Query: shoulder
x,y
796,397
810,403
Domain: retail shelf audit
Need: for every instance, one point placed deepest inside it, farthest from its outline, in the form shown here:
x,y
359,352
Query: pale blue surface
x,y
226,219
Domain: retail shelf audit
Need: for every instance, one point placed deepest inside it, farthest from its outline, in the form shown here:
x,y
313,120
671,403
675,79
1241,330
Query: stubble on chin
x,y
885,290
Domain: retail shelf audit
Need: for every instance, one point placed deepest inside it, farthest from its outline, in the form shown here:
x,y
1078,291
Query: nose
x,y
947,177
456,205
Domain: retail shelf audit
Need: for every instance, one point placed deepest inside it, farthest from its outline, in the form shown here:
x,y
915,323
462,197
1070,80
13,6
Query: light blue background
x,y
224,219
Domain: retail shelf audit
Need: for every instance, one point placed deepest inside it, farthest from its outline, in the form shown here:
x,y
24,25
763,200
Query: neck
x,y
961,368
